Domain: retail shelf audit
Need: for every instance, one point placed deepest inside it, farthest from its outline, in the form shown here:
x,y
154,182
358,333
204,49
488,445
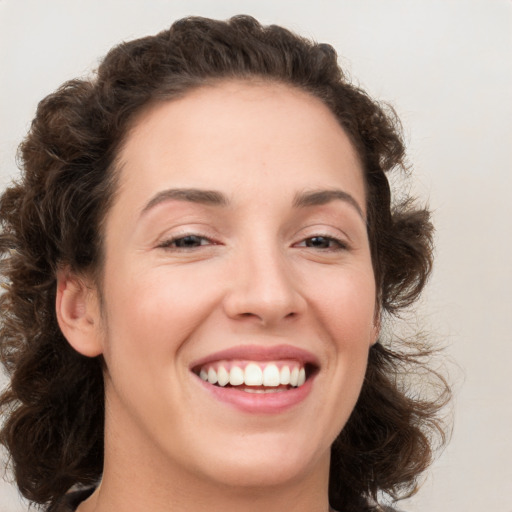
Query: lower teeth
x,y
269,390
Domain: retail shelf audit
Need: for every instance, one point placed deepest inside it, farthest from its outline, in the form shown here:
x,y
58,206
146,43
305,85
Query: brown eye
x,y
323,242
318,242
186,242
189,241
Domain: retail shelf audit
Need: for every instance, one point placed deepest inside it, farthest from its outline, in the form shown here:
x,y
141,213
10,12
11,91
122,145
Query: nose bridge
x,y
263,286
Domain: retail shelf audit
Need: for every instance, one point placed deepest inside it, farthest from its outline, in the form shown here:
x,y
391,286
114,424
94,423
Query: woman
x,y
198,258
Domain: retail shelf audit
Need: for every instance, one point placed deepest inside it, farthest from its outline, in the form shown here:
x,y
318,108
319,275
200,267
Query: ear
x,y
78,313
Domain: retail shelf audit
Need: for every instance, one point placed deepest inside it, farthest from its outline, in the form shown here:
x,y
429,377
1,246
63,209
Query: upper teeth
x,y
254,374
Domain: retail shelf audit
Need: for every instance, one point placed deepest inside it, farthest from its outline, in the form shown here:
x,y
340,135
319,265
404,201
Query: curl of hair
x,y
52,217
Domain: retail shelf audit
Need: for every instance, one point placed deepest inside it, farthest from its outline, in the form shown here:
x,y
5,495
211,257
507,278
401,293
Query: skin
x,y
254,275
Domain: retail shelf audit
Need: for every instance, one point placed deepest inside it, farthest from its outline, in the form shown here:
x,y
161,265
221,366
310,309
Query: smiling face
x,y
239,296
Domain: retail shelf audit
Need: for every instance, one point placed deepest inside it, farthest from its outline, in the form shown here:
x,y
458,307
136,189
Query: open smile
x,y
258,379
250,374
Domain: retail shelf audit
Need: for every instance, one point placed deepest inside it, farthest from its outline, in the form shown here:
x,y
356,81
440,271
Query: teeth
x,y
253,375
285,375
212,376
263,391
294,377
236,376
302,377
223,376
270,375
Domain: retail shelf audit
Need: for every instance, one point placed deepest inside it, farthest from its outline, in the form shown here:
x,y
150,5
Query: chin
x,y
270,473
271,460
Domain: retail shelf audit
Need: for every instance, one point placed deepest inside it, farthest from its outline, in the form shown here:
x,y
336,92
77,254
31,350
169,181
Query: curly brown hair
x,y
52,216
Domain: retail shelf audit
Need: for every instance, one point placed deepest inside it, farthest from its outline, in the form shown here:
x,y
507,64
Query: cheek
x,y
155,309
346,313
345,303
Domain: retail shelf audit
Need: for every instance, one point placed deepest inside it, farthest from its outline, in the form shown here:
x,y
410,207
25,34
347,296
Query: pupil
x,y
189,241
318,242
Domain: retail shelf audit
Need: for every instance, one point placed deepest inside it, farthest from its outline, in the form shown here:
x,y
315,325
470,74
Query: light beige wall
x,y
447,67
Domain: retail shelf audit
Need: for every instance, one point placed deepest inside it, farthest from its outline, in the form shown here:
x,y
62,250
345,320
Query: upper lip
x,y
259,353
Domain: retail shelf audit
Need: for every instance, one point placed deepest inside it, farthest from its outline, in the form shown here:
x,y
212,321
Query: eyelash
x,y
197,241
170,244
338,245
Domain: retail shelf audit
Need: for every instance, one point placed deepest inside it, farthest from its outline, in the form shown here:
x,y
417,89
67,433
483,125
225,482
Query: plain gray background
x,y
446,65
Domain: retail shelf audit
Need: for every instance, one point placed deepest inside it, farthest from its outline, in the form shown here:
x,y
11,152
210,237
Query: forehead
x,y
239,133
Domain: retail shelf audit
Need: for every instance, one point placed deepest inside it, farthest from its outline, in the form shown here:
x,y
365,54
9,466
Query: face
x,y
238,287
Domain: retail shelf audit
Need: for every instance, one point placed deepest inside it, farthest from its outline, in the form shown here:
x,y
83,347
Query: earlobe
x,y
78,313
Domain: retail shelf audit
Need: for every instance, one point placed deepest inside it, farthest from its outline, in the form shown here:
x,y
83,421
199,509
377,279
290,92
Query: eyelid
x,y
324,229
166,240
341,244
167,243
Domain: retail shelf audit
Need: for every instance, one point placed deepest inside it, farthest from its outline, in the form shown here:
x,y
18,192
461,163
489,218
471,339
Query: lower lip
x,y
260,403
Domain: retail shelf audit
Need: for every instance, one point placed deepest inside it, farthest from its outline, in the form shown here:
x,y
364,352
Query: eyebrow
x,y
192,195
216,198
321,197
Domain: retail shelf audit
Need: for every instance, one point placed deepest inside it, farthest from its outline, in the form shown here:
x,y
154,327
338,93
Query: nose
x,y
263,289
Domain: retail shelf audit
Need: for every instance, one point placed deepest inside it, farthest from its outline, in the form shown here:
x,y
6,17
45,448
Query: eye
x,y
186,242
323,242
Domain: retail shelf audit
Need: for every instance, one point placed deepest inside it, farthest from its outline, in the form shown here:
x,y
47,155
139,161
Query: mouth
x,y
258,379
256,376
